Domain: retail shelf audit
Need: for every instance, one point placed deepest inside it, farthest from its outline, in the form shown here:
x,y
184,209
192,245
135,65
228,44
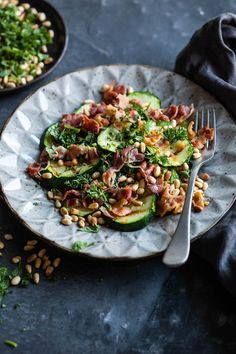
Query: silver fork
x,y
178,250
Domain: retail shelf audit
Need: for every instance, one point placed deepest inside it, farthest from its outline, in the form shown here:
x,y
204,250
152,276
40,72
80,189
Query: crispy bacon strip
x,y
80,120
33,169
71,193
179,113
89,153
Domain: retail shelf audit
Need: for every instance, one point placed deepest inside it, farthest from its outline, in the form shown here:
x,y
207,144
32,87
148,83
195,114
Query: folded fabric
x,y
209,59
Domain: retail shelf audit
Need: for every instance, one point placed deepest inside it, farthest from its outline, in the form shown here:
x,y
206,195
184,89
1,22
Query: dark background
x,y
140,307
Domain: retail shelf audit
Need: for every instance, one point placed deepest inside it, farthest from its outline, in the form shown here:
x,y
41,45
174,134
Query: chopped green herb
x,y
66,136
90,139
174,175
20,42
96,192
11,343
173,135
4,281
79,245
79,181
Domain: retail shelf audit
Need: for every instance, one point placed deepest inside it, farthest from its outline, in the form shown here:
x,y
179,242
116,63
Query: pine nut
x,y
137,202
142,183
151,179
28,268
74,162
42,252
28,248
31,258
177,183
137,144
130,89
81,218
16,259
74,211
48,60
122,179
26,6
157,171
5,80
41,16
63,211
196,155
93,206
198,184
47,23
66,221
205,186
130,180
44,49
56,262
96,175
89,101
140,190
29,78
135,187
50,195
205,176
49,271
36,278
112,200
173,123
74,218
101,221
81,223
199,179
93,221
196,150
41,65
34,11
57,204
176,192
16,280
45,258
105,88
51,33
89,217
32,242
38,263
185,166
97,214
8,237
10,85
46,264
23,81
38,71
142,147
47,175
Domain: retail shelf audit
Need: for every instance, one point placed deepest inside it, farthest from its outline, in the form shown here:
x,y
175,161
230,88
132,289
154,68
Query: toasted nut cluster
x,y
33,66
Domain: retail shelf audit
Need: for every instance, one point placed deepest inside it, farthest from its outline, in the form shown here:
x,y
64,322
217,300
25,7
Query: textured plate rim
x,y
53,66
65,249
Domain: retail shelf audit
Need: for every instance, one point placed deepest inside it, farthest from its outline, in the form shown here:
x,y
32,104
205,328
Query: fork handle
x,y
178,250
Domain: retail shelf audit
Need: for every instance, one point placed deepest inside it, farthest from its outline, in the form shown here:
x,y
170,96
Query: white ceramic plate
x,y
19,145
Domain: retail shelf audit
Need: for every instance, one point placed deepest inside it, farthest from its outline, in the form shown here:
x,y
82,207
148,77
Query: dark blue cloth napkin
x,y
209,59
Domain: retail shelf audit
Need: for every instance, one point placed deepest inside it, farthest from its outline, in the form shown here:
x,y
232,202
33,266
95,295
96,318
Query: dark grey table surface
x,y
140,307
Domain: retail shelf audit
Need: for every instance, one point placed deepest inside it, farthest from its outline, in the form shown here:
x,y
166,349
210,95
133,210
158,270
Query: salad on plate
x,y
122,161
